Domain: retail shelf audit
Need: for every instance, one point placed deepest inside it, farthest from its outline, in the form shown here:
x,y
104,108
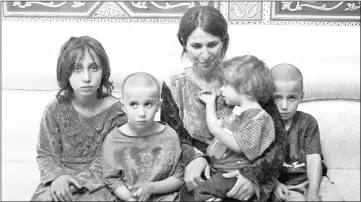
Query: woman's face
x,y
86,76
204,49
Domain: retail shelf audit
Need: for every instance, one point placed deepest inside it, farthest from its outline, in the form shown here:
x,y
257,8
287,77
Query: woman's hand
x,y
281,192
207,96
141,191
242,189
60,188
193,172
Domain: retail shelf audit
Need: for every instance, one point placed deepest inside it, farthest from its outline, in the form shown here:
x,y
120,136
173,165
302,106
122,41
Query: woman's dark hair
x,y
72,52
209,19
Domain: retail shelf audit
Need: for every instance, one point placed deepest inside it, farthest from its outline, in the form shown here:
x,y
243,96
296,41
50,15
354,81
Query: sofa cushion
x,y
19,180
339,124
347,182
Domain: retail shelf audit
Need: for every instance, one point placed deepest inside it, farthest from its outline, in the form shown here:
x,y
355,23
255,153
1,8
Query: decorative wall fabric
x,y
236,12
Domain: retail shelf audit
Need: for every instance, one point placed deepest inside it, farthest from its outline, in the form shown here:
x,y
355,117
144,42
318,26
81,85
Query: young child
x,y
141,156
303,176
242,136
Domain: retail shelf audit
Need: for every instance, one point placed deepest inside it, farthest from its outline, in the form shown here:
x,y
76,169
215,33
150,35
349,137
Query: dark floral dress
x,y
183,111
71,144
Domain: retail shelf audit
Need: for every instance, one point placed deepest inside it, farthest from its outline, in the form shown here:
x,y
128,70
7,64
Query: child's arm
x,y
314,174
168,185
145,190
313,158
214,126
123,193
209,98
112,171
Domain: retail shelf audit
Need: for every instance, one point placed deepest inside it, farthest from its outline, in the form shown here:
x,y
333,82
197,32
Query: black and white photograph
x,y
180,100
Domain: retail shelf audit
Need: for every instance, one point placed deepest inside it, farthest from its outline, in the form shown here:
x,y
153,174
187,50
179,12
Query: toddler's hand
x,y
142,191
207,96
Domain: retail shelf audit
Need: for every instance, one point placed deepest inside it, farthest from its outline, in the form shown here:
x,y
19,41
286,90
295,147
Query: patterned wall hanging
x,y
236,12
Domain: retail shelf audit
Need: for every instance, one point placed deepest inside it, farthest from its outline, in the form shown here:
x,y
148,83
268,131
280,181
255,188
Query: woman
x,y
204,38
75,124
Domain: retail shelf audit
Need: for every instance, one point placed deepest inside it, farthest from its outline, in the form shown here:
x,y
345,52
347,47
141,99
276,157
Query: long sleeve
x,y
49,147
170,115
111,175
92,177
265,170
179,168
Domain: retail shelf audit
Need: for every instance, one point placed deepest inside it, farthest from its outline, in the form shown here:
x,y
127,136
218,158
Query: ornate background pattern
x,y
236,12
316,10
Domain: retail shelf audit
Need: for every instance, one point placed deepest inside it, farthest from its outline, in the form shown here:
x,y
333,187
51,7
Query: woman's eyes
x,y
210,45
197,46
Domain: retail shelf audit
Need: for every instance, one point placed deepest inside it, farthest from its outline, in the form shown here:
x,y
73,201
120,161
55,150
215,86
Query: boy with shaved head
x,y
303,176
141,157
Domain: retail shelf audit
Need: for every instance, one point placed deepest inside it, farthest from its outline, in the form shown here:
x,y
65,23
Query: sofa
x,y
332,96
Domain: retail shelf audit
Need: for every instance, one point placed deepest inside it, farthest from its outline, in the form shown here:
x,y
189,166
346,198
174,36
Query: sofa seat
x,y
333,100
339,125
347,181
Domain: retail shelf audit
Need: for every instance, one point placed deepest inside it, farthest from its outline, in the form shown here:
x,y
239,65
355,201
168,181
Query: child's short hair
x,y
287,72
143,77
239,71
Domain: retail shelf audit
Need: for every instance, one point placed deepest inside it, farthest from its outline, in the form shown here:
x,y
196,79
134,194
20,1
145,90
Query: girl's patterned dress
x,y
71,144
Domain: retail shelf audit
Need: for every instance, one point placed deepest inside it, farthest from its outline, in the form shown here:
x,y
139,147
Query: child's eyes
x,y
149,104
133,104
94,67
292,97
77,68
277,97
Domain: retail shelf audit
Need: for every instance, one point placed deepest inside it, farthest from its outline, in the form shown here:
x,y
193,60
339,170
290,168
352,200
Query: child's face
x,y
140,103
230,95
86,76
287,96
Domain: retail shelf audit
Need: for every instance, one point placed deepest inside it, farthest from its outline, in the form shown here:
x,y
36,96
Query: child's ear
x,y
121,103
160,103
248,86
302,94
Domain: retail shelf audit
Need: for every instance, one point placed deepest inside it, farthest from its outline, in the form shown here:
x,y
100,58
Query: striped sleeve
x,y
255,135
